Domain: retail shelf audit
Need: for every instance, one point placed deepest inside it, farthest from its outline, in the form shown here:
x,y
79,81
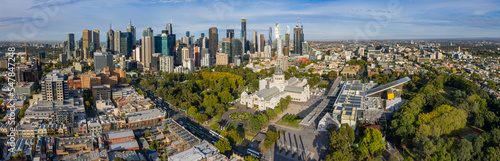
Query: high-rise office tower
x,y
161,44
197,56
202,34
270,41
125,44
97,43
131,29
254,41
213,41
169,29
244,34
287,36
70,45
171,45
298,38
230,33
226,46
188,34
138,53
279,45
147,47
103,60
236,51
262,43
87,39
110,40
55,87
117,41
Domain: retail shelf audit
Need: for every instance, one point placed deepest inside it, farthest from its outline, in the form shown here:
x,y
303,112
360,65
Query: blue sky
x,y
322,19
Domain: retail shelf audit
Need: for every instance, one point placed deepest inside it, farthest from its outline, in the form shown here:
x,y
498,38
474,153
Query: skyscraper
x,y
131,29
125,44
171,45
287,36
244,33
188,34
226,46
298,38
270,41
97,43
71,45
213,41
169,29
279,45
262,43
236,51
117,41
86,39
110,40
147,47
102,60
230,33
161,44
254,42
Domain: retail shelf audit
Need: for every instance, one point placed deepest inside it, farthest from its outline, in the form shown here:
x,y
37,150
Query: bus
x,y
253,153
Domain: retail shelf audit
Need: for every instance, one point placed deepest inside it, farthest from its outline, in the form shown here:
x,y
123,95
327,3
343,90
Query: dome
x,y
278,71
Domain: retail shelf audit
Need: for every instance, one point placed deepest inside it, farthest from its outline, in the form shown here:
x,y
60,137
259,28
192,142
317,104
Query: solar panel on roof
x,y
339,108
348,109
348,113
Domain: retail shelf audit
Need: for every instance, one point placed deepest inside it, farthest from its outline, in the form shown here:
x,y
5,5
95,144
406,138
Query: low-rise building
x,y
201,151
142,118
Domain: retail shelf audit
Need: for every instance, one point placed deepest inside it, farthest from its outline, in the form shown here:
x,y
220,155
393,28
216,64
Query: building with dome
x,y
271,90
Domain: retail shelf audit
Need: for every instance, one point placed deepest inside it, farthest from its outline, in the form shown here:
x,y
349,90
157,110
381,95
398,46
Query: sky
x,y
31,20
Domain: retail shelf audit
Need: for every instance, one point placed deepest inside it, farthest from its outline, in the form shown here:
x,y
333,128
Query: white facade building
x,y
271,90
167,63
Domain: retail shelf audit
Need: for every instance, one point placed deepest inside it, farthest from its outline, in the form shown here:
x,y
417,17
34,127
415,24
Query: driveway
x,y
225,117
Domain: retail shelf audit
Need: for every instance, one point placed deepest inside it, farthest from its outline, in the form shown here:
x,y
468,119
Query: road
x,y
192,126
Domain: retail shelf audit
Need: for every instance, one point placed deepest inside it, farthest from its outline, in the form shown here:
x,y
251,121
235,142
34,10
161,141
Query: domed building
x,y
271,90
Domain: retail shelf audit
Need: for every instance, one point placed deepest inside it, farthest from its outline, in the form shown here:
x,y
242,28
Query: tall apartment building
x,y
55,87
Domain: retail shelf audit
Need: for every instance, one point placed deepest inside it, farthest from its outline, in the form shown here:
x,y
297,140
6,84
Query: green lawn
x,y
290,120
294,124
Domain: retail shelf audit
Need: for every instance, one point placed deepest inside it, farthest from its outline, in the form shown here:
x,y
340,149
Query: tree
x,y
254,124
232,135
342,138
147,133
223,145
210,100
372,142
340,155
214,126
250,158
271,137
151,107
225,96
153,145
332,75
477,151
463,150
424,146
192,111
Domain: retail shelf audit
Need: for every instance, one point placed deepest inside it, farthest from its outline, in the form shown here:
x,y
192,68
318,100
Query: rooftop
x,y
123,145
120,134
144,115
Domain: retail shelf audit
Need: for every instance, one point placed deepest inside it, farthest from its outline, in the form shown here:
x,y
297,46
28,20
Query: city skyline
x,y
322,20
